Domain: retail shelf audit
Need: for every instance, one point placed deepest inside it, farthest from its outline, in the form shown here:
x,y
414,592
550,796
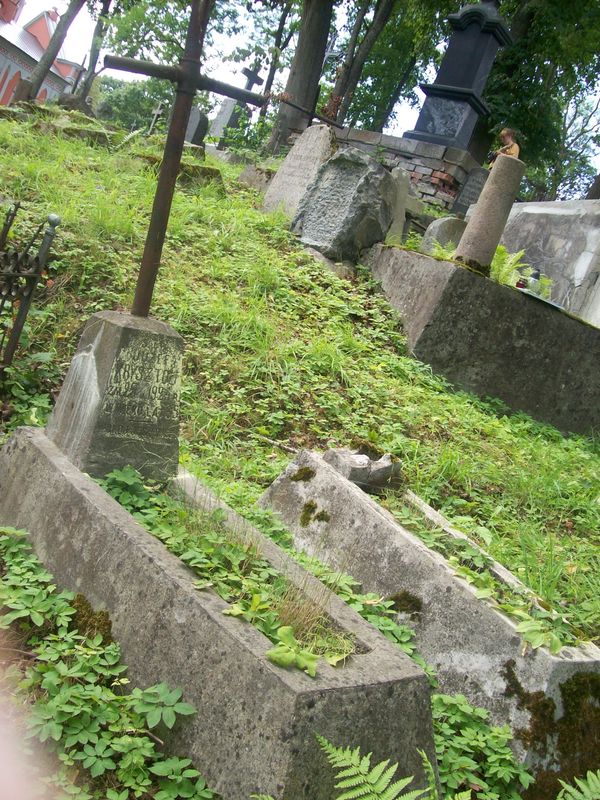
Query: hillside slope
x,y
278,350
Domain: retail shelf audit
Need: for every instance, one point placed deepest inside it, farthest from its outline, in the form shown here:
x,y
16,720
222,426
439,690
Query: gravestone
x,y
348,207
396,229
254,730
475,649
469,194
454,103
197,127
299,169
446,231
229,113
119,403
485,226
257,177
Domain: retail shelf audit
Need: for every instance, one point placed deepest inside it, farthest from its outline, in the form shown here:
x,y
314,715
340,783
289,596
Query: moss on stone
x,y
406,603
303,474
308,512
574,737
322,516
89,622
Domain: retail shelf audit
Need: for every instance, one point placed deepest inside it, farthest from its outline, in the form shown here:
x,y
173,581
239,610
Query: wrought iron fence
x,y
20,274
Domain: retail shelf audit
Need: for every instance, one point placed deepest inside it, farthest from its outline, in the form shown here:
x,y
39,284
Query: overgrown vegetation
x,y
280,350
72,685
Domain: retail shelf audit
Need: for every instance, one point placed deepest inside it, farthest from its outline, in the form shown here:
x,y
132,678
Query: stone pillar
x,y
484,229
119,403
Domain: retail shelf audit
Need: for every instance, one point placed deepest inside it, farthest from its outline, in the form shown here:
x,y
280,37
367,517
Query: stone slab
x,y
119,403
396,229
468,641
561,239
446,231
494,340
257,177
472,188
254,730
348,207
299,169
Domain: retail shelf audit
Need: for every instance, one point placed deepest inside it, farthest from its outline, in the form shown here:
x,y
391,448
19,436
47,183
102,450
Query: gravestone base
x,y
119,403
493,340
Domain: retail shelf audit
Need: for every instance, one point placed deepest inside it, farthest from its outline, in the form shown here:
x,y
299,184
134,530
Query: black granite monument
x,y
454,104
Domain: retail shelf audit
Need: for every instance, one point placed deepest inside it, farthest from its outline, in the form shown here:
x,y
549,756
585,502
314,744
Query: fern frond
x,y
587,788
430,775
360,782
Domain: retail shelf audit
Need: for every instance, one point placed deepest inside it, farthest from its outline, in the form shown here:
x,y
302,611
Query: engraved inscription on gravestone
x,y
469,194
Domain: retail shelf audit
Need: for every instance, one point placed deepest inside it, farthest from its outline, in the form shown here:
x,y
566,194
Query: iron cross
x,y
188,80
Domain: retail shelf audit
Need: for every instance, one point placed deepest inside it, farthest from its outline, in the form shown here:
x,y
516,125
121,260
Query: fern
x,y
505,265
360,781
587,788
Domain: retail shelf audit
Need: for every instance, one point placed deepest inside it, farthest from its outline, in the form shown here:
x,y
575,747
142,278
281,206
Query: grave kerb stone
x,y
254,730
471,644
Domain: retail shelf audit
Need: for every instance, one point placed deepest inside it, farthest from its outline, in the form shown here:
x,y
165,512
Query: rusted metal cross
x,y
188,79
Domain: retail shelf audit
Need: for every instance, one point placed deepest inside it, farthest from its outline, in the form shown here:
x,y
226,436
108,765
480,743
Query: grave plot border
x,y
254,728
475,648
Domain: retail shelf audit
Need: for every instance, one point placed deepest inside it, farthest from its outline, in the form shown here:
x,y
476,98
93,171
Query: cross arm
x,y
177,75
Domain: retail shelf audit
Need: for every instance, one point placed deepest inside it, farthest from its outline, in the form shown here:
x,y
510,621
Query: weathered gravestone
x,y
348,207
197,127
299,169
469,194
475,649
445,231
257,177
255,726
229,113
396,229
119,403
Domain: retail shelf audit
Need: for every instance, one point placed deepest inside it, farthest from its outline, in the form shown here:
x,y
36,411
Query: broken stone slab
x,y
494,340
257,177
348,207
254,730
119,403
475,648
396,229
371,475
299,169
446,231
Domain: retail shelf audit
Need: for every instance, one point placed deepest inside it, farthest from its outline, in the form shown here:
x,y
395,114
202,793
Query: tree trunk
x,y
303,82
594,190
383,11
43,66
339,89
97,40
278,47
381,121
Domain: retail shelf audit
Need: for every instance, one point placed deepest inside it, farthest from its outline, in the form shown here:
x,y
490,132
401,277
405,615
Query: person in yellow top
x,y
509,145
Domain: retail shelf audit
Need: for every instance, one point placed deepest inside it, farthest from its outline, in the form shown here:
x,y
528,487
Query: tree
x,y
28,89
357,51
569,173
85,85
303,83
131,104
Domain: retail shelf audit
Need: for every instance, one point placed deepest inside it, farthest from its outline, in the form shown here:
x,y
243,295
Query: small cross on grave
x,y
228,115
156,115
119,403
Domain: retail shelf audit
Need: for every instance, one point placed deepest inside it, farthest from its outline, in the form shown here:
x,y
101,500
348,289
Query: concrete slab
x,y
254,731
493,340
475,649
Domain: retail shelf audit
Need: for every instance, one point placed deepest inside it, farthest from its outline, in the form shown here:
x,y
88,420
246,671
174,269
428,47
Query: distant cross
x,y
188,79
252,78
157,114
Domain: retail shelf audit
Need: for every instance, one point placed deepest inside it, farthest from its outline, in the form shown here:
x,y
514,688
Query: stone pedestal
x,y
119,403
486,224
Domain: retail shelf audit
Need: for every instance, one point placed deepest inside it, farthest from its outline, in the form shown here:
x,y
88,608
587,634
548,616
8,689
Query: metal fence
x,y
20,274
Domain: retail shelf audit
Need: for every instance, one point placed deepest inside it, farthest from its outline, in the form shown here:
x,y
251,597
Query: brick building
x,y
21,47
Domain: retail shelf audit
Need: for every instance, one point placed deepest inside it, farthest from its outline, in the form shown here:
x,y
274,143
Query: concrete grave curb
x,y
475,648
255,723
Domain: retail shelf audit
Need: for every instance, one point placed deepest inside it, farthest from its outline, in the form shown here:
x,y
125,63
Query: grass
x,y
278,349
